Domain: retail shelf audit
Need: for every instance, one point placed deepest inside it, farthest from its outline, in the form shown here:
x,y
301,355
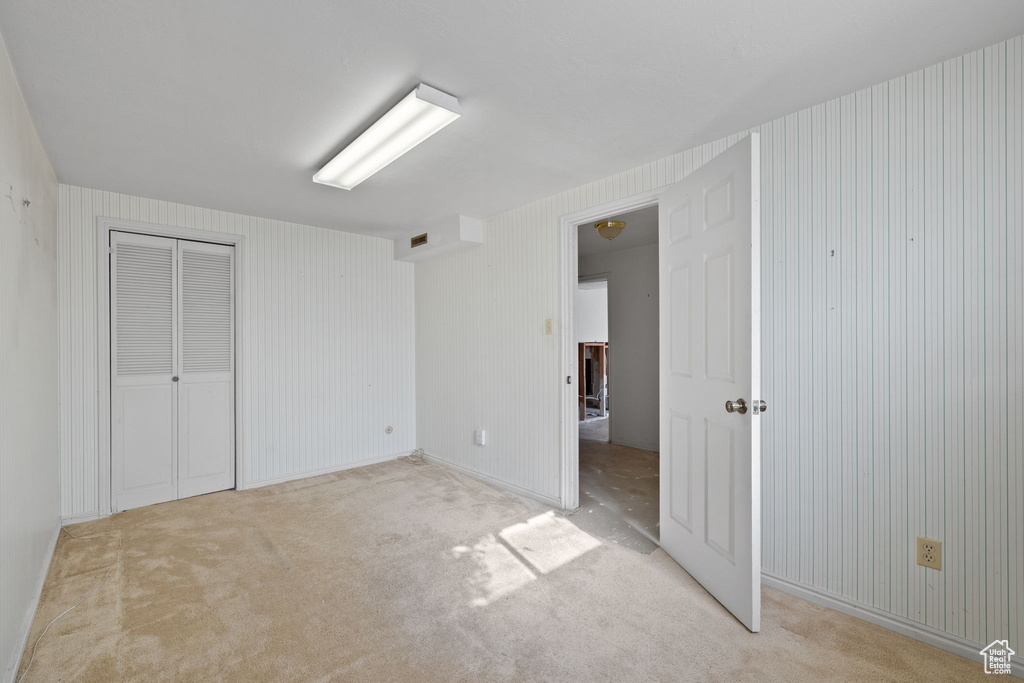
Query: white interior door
x,y
172,369
143,346
710,355
206,396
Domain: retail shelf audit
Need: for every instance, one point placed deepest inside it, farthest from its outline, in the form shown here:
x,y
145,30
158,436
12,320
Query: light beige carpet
x,y
413,572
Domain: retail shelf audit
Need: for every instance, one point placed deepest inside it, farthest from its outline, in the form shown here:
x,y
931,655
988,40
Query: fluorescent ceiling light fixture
x,y
419,115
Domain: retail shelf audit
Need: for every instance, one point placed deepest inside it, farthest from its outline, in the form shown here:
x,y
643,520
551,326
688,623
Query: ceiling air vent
x,y
451,234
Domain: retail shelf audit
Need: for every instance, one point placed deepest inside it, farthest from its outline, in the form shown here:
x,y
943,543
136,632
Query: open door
x,y
710,377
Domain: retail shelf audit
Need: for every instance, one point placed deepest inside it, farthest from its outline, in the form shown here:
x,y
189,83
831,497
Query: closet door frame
x,y
106,505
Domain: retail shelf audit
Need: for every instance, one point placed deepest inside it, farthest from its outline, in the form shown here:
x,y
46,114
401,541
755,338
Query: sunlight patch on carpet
x,y
499,571
519,553
548,541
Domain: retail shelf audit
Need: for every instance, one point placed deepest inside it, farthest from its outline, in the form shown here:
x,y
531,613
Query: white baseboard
x,y
82,517
94,515
259,483
11,673
548,500
641,446
926,634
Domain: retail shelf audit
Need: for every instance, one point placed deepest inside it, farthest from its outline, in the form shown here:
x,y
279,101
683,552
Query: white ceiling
x,y
234,104
641,229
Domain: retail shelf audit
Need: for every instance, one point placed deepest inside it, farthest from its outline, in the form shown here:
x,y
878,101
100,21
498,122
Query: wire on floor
x,y
117,558
417,456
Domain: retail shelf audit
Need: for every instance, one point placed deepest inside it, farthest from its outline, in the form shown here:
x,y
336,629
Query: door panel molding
x,y
680,469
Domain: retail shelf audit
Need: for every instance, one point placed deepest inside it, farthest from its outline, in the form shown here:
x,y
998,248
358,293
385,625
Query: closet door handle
x,y
174,379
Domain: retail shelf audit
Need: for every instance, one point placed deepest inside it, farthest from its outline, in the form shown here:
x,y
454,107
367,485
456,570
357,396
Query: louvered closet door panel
x,y
143,332
145,315
206,310
206,427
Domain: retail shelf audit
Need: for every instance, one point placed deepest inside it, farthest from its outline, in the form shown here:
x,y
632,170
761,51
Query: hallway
x,y
618,490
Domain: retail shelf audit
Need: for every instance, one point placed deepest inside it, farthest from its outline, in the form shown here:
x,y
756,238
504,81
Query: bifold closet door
x,y
172,369
206,405
143,344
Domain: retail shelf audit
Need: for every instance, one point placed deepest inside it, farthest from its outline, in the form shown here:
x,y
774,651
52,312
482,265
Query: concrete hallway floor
x,y
595,429
618,490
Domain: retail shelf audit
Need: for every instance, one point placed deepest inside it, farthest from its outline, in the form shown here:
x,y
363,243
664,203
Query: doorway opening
x,y
708,347
594,357
617,342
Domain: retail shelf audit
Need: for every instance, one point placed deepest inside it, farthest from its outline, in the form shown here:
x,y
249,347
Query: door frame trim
x,y
104,227
568,237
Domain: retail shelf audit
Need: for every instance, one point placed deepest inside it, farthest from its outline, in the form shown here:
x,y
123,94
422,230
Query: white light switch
x,y
481,437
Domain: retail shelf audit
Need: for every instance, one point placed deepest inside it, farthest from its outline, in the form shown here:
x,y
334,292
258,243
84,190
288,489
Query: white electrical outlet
x,y
481,437
929,553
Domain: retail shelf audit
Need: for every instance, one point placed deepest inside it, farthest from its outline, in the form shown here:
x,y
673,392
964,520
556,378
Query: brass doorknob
x,y
737,406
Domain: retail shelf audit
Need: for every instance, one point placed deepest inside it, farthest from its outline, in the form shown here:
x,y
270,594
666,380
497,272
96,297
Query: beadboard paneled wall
x,y
893,325
29,514
326,334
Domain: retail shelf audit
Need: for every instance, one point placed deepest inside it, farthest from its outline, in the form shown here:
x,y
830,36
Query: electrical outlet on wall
x,y
929,552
